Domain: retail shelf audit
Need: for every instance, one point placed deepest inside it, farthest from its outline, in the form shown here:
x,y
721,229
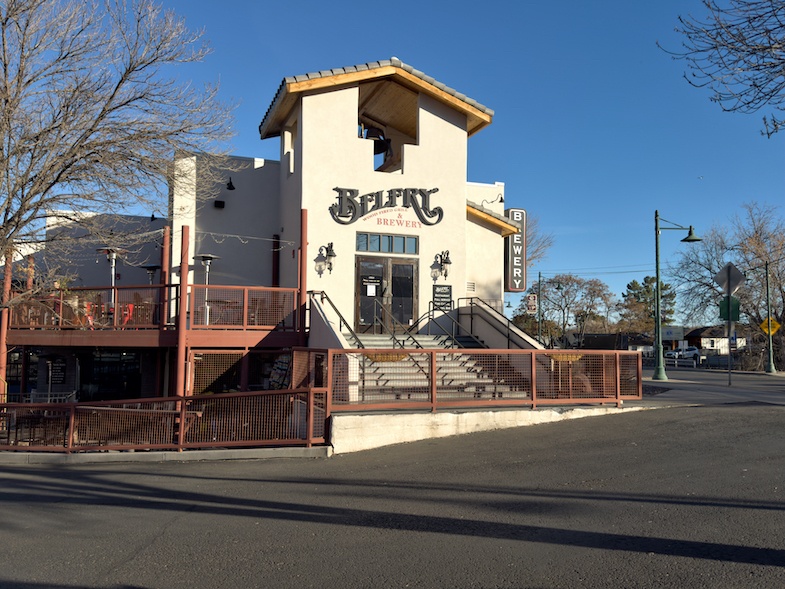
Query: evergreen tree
x,y
637,308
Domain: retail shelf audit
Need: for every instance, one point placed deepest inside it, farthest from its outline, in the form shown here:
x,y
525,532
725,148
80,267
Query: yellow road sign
x,y
770,326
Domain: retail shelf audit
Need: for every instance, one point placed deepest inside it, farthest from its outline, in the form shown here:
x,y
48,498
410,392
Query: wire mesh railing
x,y
249,419
237,307
128,307
406,379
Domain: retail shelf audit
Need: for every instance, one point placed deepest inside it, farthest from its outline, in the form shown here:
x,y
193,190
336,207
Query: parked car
x,y
692,353
689,353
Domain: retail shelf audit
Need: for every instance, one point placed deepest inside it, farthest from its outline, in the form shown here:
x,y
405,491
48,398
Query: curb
x,y
41,458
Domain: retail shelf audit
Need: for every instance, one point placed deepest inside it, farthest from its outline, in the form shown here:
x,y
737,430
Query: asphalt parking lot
x,y
683,496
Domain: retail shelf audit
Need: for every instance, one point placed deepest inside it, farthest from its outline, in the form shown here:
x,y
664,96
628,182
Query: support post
x,y
303,276
163,292
770,368
182,315
5,317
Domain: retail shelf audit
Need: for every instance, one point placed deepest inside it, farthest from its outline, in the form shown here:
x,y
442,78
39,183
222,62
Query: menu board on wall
x,y
442,296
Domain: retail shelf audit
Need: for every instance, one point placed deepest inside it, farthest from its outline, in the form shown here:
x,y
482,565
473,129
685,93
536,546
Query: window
x,y
388,244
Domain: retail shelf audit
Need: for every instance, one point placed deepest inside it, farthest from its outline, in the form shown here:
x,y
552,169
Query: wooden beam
x,y
506,229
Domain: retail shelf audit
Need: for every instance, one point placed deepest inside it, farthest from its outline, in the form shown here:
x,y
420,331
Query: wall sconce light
x,y
324,261
229,185
441,265
499,198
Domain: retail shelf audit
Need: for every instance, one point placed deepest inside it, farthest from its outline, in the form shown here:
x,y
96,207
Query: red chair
x,y
128,313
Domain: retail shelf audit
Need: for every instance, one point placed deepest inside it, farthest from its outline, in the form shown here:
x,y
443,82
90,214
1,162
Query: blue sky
x,y
595,127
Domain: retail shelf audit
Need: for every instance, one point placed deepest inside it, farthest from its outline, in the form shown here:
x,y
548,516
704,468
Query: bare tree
x,y
595,307
736,52
693,275
537,242
755,237
566,300
91,119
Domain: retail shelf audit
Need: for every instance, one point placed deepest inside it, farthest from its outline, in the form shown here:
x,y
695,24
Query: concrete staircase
x,y
402,373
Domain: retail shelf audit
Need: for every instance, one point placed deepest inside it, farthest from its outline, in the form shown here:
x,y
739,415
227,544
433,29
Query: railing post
x,y
244,308
639,376
181,429
309,419
432,354
328,402
533,360
69,443
617,358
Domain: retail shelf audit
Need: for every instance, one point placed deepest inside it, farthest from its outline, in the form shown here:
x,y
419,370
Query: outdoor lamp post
x,y
151,270
111,255
659,367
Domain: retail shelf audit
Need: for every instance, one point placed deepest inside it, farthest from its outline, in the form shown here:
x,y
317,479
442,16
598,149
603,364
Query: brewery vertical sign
x,y
515,254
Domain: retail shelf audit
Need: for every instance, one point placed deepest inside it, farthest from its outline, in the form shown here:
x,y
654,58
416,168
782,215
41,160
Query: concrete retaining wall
x,y
352,432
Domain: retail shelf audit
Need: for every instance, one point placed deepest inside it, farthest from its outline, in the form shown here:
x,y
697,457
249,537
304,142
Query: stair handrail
x,y
482,303
396,323
342,322
455,324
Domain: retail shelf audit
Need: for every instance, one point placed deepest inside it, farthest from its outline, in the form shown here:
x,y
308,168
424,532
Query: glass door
x,y
369,294
386,294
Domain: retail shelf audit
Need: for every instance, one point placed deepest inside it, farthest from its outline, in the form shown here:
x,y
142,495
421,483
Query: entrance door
x,y
386,294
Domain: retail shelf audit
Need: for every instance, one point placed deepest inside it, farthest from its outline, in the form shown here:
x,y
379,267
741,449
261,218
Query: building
x,y
369,206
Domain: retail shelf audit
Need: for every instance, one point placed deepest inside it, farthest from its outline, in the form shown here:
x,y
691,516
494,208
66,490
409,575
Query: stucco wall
x,y
335,157
240,233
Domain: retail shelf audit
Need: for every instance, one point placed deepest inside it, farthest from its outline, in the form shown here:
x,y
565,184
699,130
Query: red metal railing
x,y
238,307
253,419
436,379
122,307
148,307
327,381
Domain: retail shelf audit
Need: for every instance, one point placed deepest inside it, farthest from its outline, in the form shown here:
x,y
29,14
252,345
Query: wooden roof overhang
x,y
506,227
388,97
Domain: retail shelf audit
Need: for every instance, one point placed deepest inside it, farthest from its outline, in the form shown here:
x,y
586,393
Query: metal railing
x,y
480,377
155,307
457,328
242,307
250,419
343,324
472,302
122,307
299,416
385,319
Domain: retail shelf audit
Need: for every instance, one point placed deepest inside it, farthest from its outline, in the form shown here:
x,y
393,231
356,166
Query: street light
x,y
659,367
